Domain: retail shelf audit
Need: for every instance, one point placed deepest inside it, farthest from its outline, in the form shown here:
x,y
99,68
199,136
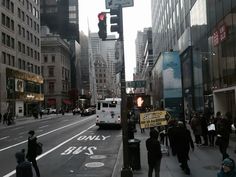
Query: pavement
x,y
203,160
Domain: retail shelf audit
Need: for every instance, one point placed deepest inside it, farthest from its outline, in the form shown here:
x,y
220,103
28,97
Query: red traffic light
x,y
102,16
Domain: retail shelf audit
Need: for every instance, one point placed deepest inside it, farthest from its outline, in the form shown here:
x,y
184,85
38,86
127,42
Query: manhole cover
x,y
98,157
212,167
94,164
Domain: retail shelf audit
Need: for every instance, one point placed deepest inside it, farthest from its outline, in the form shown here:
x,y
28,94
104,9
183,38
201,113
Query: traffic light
x,y
102,25
116,21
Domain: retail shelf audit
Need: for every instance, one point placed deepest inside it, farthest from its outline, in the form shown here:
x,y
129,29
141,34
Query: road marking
x,y
53,149
4,137
17,144
43,126
17,128
94,164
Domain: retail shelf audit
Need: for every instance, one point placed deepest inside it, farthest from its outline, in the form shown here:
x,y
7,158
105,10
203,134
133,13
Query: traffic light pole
x,y
126,170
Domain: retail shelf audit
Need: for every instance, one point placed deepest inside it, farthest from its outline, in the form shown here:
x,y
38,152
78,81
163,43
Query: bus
x,y
108,112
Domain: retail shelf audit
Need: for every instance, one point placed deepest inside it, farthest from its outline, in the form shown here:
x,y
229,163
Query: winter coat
x,y
182,141
154,150
223,129
196,126
32,146
24,168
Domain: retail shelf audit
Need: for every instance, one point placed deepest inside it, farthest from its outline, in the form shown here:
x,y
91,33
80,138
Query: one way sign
x,y
112,4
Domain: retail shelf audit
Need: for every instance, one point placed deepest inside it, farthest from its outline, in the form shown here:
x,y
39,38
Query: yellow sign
x,y
153,119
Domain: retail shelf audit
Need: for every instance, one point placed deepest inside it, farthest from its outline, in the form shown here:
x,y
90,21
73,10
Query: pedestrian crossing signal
x,y
102,25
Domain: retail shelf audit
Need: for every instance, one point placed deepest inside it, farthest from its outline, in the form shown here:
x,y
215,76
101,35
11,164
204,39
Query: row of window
x,y
30,22
7,22
30,7
45,58
8,59
29,51
28,35
51,87
27,66
27,2
8,4
8,40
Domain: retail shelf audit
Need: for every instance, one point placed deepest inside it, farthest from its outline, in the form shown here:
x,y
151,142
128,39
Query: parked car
x,y
76,111
49,111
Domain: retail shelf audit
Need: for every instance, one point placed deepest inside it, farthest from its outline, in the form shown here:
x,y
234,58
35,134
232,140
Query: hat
x,y
20,156
31,132
228,162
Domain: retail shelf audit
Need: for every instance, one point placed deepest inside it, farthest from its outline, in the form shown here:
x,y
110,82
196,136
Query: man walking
x,y
182,141
154,153
32,154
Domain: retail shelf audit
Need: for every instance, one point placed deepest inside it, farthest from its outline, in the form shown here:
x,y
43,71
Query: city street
x,y
72,146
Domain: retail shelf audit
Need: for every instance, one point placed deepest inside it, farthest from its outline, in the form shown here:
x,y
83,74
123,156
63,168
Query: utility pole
x,y
126,170
116,21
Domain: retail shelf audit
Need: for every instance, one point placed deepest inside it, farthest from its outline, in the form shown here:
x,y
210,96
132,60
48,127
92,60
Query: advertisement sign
x,y
19,85
153,119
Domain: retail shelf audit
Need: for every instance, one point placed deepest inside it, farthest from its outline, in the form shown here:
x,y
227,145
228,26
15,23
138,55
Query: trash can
x,y
134,153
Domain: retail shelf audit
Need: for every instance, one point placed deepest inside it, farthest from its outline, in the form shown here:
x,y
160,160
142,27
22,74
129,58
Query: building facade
x,y
202,31
56,72
20,76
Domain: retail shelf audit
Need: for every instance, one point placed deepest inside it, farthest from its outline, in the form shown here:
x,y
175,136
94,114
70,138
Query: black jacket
x,y
32,146
154,150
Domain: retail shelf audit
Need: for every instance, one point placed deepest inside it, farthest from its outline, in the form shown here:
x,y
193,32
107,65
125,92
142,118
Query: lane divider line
x,y
44,134
53,149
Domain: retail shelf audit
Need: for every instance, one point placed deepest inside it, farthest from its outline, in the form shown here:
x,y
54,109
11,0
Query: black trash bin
x,y
134,153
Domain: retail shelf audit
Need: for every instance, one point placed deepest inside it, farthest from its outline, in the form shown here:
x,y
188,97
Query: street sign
x,y
112,4
136,84
153,119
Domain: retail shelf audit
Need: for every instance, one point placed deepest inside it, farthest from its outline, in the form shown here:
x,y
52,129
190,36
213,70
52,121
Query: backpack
x,y
39,148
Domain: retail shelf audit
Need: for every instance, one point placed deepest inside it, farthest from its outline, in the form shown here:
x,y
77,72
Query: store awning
x,y
67,101
51,102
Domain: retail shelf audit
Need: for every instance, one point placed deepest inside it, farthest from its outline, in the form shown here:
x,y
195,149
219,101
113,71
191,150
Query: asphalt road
x,y
72,146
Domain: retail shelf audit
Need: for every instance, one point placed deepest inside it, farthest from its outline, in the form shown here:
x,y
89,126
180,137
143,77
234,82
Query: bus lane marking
x,y
53,149
85,149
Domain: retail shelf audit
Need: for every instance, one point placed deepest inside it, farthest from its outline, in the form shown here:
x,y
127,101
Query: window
x,y
3,19
51,87
45,59
51,72
53,59
4,57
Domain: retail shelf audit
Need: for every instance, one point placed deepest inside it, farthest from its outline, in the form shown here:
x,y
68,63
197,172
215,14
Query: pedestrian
x,y
41,114
182,141
197,128
32,154
204,120
0,117
172,126
227,168
154,153
223,128
211,131
23,168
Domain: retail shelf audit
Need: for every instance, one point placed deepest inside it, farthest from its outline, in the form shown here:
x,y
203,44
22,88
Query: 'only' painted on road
x,y
91,137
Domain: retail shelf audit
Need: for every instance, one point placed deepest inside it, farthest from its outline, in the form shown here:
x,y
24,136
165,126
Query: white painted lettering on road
x,y
74,150
53,149
90,138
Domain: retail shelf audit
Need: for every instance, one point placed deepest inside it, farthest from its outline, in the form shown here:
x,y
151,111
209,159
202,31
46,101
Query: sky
x,y
135,19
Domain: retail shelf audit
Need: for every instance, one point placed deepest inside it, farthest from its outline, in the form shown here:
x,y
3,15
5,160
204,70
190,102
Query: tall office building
x,y
203,32
20,77
62,17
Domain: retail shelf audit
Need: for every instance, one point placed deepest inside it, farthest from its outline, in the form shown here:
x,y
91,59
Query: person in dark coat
x,y
154,153
23,168
204,121
182,141
197,128
31,154
172,126
223,128
227,168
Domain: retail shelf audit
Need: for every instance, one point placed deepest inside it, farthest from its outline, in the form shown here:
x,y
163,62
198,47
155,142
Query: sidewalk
x,y
23,120
203,160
